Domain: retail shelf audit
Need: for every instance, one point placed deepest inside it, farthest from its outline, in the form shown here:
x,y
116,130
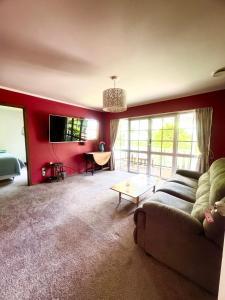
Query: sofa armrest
x,y
173,217
178,240
188,173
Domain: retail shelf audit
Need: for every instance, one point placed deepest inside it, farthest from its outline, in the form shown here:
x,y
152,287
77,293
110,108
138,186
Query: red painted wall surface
x,y
40,150
213,99
71,154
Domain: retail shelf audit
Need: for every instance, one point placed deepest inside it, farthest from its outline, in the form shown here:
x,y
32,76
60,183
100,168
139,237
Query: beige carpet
x,y
67,240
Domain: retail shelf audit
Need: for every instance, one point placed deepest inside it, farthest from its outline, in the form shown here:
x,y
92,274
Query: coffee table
x,y
134,187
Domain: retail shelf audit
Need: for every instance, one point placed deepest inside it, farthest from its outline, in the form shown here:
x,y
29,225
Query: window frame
x,y
174,154
96,130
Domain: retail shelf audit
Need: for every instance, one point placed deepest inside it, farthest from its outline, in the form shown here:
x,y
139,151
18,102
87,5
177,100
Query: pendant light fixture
x,y
114,99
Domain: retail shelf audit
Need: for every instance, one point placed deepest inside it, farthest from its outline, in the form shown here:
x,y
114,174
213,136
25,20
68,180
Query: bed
x,y
10,166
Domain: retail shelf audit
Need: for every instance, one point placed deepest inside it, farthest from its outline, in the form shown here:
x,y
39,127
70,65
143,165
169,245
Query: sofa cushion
x,y
217,190
217,168
184,180
217,180
204,178
202,197
189,173
178,190
172,201
200,206
203,189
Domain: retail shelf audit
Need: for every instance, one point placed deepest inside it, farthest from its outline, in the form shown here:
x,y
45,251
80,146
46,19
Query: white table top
x,y
135,186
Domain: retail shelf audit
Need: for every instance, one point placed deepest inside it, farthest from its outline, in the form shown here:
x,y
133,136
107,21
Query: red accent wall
x,y
40,150
71,154
213,99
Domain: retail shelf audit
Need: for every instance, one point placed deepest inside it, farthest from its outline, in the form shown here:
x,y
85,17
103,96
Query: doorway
x,y
13,152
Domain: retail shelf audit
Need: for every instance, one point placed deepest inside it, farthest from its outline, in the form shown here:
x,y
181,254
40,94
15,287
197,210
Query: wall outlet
x,y
43,171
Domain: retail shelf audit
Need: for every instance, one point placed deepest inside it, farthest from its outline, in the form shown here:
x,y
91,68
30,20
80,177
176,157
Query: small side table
x,y
97,160
56,170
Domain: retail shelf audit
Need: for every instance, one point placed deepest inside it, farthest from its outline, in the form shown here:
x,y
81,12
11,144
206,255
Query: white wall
x,y
11,125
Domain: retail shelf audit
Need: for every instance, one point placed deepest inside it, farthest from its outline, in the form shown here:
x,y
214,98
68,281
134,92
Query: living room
x,y
71,239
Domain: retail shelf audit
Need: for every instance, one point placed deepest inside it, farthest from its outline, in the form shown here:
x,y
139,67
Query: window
x,y
122,145
157,145
92,129
187,148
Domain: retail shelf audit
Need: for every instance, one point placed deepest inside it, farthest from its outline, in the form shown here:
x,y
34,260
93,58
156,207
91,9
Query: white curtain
x,y
203,127
114,124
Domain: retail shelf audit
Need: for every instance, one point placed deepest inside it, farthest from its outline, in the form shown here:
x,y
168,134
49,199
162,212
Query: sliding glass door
x,y
158,145
132,146
162,146
138,137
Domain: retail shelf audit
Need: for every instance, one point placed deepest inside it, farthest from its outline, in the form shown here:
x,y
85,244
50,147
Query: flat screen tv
x,y
67,129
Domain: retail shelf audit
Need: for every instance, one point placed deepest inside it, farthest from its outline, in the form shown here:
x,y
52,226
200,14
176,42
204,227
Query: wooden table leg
x,y
93,166
119,198
137,199
153,189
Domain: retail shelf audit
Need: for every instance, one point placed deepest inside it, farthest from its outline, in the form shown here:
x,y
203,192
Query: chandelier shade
x,y
114,99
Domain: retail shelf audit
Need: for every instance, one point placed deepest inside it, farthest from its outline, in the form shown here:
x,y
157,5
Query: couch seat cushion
x,y
172,201
178,190
184,180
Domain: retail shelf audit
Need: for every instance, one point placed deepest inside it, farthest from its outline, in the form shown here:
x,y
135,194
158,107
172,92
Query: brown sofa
x,y
172,227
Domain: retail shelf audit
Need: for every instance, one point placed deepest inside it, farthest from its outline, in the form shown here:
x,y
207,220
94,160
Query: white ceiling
x,y
66,49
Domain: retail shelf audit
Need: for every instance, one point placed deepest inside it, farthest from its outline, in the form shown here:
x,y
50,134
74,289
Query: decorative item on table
x,y
101,146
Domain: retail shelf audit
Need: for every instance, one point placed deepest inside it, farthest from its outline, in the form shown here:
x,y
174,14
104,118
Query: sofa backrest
x,y
217,181
211,188
202,197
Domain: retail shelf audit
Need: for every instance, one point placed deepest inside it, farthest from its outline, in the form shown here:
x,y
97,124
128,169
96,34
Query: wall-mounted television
x,y
67,129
